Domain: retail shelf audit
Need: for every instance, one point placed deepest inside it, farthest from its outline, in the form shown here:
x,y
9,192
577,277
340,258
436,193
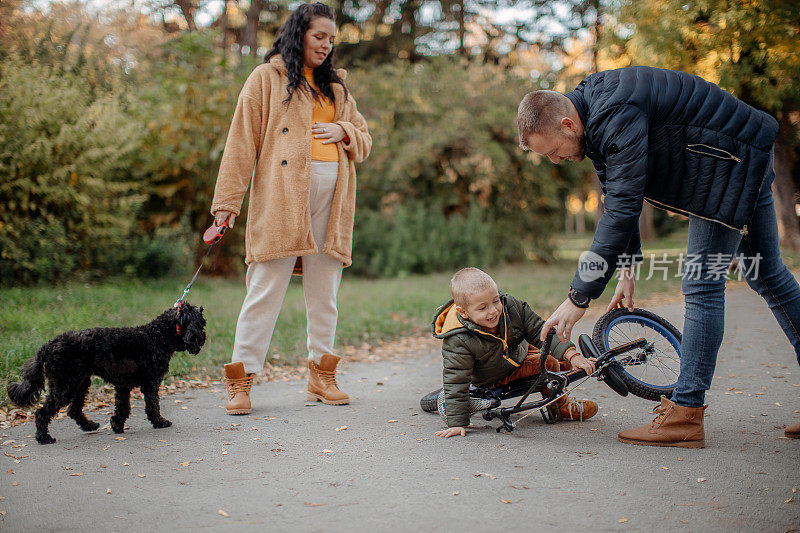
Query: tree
x,y
749,49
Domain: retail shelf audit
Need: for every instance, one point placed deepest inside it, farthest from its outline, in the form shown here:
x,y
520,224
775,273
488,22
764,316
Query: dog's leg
x,y
122,409
152,406
75,410
45,414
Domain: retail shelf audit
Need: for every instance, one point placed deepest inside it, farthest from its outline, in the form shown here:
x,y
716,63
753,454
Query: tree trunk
x,y
188,8
461,29
784,189
223,28
646,227
251,28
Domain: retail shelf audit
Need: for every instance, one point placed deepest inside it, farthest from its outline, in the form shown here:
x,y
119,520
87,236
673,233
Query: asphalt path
x,y
375,465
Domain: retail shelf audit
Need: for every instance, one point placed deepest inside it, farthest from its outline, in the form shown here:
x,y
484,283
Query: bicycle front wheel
x,y
649,372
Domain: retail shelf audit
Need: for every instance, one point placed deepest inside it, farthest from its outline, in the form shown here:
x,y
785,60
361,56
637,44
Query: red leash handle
x,y
214,233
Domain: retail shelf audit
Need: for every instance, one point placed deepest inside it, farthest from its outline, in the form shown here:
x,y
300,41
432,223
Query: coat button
x,y
285,131
283,163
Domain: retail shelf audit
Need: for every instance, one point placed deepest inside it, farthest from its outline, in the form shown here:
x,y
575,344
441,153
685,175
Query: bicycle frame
x,y
554,382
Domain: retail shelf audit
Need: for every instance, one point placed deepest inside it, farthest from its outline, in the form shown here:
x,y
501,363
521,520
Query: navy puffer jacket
x,y
673,139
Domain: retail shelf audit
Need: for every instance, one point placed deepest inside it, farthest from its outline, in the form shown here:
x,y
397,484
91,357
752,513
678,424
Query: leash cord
x,y
189,286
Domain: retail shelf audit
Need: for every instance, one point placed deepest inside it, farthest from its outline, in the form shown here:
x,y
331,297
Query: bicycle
x,y
637,352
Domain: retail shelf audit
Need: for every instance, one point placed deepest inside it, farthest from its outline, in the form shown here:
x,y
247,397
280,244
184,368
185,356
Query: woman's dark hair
x,y
289,44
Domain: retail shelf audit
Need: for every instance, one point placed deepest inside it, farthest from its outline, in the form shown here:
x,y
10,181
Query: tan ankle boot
x,y
570,409
322,382
674,425
238,384
793,432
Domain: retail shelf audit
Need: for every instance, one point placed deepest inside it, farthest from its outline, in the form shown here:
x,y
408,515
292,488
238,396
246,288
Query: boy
x,y
484,336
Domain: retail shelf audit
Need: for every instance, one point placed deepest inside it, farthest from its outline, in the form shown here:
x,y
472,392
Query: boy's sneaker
x,y
570,409
476,405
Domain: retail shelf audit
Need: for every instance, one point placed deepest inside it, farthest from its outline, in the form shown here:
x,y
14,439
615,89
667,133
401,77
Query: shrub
x,y
418,239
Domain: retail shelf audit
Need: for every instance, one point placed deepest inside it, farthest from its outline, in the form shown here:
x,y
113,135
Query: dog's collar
x,y
178,305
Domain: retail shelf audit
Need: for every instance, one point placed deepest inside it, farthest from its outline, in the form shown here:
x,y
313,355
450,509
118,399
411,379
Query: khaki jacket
x,y
275,139
472,355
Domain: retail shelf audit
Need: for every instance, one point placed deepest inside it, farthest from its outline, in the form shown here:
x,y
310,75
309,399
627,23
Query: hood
x,y
277,62
447,321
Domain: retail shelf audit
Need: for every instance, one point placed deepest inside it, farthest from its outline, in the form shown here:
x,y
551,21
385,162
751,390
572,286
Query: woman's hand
x,y
452,432
623,295
220,217
332,132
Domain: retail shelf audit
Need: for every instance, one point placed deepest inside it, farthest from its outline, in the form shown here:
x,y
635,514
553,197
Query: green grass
x,y
369,310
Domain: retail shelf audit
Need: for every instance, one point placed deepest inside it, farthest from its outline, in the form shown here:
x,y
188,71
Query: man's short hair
x,y
540,112
467,282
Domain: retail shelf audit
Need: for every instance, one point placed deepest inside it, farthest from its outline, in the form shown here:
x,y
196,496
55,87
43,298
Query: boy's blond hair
x,y
467,282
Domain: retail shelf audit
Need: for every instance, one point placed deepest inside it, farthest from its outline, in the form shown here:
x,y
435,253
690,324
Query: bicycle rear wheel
x,y
649,372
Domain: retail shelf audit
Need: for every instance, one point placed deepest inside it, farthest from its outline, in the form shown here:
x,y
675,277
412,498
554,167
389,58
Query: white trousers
x,y
267,281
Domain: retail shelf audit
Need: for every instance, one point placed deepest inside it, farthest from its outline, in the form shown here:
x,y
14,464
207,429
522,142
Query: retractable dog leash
x,y
211,237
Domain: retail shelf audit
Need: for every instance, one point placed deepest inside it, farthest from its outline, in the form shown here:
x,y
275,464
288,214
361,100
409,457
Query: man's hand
x,y
452,432
623,295
220,217
563,318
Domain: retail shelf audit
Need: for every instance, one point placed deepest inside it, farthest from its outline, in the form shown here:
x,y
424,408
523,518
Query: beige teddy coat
x,y
276,140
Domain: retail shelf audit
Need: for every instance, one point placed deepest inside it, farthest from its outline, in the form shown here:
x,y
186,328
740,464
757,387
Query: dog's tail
x,y
26,393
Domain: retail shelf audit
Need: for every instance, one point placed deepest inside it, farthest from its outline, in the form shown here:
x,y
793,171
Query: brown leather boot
x,y
576,409
793,432
674,425
322,382
238,384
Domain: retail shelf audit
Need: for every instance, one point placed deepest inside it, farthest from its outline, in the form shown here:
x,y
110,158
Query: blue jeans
x,y
709,249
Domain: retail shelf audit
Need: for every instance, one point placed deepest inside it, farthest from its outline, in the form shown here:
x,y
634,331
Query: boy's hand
x,y
452,432
580,362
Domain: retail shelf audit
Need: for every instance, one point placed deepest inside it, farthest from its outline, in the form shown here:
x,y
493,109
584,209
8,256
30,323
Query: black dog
x,y
124,357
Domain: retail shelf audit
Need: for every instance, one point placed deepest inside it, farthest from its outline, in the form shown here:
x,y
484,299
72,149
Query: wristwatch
x,y
578,299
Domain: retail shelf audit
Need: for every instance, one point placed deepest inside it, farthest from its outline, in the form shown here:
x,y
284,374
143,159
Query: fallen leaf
x,y
680,458
185,463
309,504
455,493
141,475
664,468
327,451
505,501
108,491
341,428
790,500
701,479
126,464
15,484
76,474
391,421
223,513
120,438
622,520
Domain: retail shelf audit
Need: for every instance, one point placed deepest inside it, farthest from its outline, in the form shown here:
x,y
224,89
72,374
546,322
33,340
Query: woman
x,y
297,125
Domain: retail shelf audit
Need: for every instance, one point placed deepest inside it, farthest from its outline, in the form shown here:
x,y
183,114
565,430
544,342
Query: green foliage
x,y
443,135
65,149
418,239
749,48
190,99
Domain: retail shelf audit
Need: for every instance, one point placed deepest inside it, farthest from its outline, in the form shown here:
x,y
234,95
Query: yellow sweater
x,y
324,111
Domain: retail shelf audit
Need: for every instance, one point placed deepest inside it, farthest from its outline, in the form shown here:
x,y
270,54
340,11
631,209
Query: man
x,y
689,147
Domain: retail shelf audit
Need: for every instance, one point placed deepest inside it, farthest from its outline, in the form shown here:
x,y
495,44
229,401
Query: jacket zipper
x,y
742,230
718,153
502,341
